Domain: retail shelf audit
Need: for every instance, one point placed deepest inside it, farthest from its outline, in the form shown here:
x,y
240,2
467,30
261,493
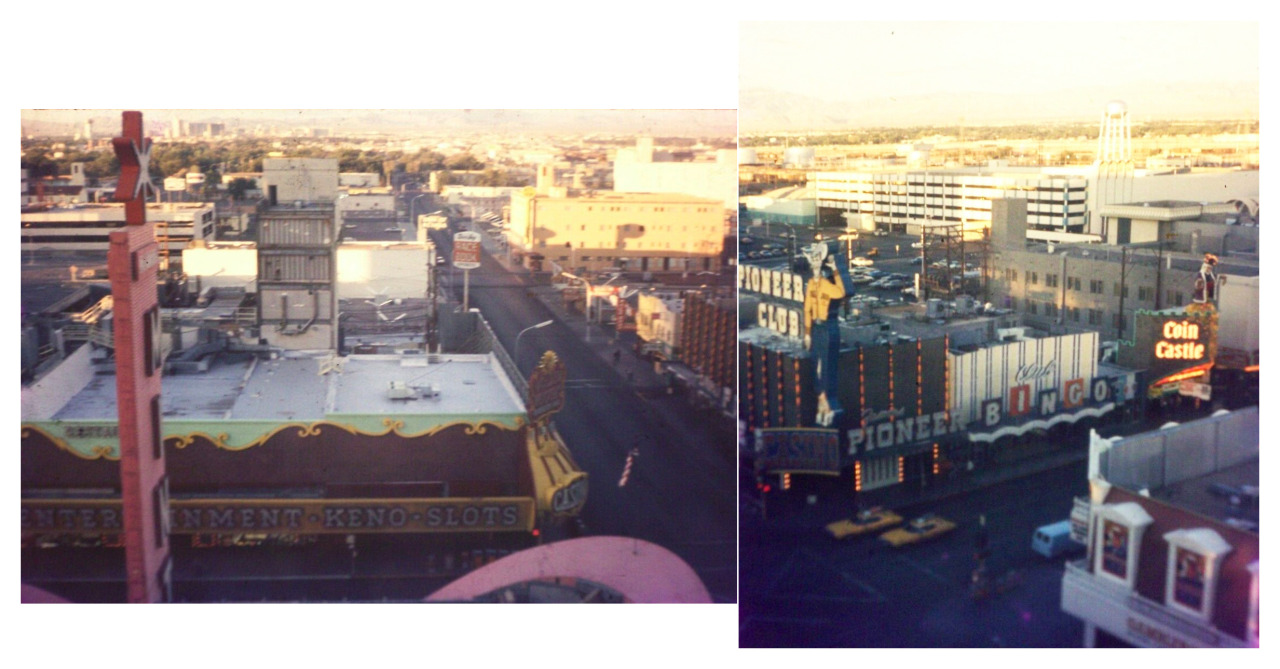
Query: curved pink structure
x,y
641,571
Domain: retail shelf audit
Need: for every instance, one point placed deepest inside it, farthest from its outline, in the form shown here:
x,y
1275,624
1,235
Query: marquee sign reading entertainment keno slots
x,y
290,516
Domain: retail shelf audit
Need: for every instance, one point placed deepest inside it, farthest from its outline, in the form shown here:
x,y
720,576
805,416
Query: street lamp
x,y
516,353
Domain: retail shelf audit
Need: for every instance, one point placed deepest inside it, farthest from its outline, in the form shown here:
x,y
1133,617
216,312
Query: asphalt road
x,y
682,490
801,588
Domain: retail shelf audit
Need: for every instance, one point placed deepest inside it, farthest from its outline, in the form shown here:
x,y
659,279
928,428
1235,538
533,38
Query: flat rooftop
x,y
1220,495
292,388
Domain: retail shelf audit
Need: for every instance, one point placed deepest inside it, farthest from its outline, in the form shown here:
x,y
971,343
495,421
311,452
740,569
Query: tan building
x,y
653,232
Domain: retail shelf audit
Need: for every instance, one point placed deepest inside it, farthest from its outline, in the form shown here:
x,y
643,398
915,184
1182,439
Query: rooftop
x,y
1229,495
292,387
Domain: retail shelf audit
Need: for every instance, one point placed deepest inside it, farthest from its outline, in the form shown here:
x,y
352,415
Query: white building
x,y
644,170
479,200
288,180
85,227
387,270
658,322
1059,200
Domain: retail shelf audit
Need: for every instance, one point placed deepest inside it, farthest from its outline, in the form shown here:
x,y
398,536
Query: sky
x,y
1162,63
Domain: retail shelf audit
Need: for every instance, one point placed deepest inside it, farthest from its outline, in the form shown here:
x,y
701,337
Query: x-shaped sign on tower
x,y
134,152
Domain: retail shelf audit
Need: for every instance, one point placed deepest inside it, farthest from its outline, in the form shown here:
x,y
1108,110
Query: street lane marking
x,y
923,569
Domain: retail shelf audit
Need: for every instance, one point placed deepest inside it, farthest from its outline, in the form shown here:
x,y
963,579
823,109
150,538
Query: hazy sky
x,y
849,61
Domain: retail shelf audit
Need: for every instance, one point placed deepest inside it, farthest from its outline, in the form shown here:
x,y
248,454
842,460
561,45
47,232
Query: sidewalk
x,y
799,517
634,369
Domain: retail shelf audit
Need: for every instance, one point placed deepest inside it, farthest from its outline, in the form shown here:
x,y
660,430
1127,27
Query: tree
x,y
238,187
463,162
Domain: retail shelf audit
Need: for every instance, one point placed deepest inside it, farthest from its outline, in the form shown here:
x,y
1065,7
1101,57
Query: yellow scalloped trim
x,y
313,429
96,452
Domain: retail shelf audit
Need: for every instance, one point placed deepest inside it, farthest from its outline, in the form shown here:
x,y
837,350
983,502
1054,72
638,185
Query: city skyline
x,y
807,76
544,122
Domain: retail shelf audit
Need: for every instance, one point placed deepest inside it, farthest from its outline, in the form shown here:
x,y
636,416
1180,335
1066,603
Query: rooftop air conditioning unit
x,y
399,390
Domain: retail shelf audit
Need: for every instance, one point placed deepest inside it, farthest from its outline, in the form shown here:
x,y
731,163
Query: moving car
x,y
923,528
917,245
867,520
862,262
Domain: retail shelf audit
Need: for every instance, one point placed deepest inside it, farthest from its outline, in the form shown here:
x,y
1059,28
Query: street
x,y
681,491
802,588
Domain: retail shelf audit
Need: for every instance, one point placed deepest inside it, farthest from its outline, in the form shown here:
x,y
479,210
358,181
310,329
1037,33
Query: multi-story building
x,y
643,169
908,200
1171,529
297,301
658,316
929,393
479,200
1101,286
1059,200
288,180
653,232
85,227
708,323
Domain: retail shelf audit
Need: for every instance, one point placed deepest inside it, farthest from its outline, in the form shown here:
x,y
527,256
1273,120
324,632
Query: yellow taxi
x,y
868,520
921,529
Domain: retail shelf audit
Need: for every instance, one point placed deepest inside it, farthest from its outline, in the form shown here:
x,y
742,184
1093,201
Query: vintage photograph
x,y
378,356
998,342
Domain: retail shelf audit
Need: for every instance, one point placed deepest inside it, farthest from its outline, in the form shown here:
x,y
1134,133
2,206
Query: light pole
x,y
516,353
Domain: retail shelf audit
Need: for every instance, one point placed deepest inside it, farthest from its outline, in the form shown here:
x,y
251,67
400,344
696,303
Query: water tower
x,y
1114,161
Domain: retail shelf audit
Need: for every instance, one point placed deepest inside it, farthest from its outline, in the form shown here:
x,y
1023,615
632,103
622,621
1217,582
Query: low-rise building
x,y
1172,529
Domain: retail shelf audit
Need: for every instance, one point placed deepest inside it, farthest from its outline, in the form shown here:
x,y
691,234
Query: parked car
x,y
1054,539
881,233
924,528
866,521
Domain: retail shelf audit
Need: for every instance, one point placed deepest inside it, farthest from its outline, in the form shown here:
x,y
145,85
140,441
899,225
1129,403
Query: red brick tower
x,y
132,262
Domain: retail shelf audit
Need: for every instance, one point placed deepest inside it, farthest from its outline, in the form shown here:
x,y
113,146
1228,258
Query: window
x,y
1031,306
1033,278
160,510
1117,535
157,435
1095,286
1073,282
1146,294
1119,291
1195,558
1051,280
1074,313
1050,309
151,351
1117,321
1095,317
1013,274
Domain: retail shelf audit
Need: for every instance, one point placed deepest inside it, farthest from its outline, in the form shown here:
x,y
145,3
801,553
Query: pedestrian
x,y
617,356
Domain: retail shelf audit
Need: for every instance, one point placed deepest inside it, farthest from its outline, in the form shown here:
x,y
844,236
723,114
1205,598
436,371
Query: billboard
x,y
466,250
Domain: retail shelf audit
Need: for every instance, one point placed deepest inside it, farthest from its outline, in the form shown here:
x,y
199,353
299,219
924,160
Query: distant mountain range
x,y
764,110
686,123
